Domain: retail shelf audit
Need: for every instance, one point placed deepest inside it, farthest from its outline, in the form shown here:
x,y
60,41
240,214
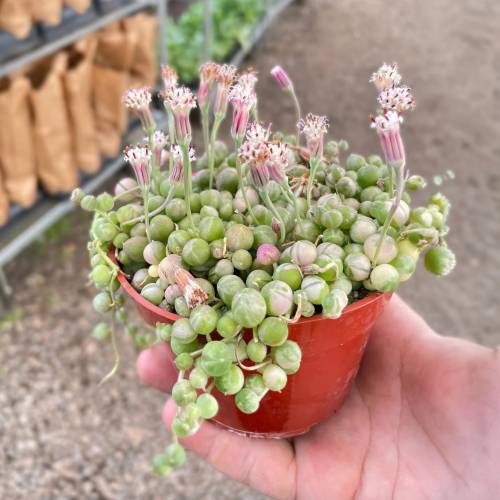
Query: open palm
x,y
422,421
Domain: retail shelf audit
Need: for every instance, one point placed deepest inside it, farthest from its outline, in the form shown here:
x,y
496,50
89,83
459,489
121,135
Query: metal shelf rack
x,y
25,226
30,224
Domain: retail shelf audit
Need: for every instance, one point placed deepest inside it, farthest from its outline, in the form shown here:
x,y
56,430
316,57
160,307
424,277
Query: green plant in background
x,y
233,22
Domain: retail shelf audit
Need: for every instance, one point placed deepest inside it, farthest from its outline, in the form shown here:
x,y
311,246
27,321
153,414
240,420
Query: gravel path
x,y
62,436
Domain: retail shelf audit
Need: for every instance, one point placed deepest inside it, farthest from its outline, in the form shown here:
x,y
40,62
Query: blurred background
x,y
63,68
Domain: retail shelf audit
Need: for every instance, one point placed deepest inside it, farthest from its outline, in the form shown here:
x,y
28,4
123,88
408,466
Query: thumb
x,y
267,465
155,368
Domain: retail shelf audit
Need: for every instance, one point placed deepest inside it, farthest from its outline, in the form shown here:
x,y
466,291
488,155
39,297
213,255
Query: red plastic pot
x,y
331,355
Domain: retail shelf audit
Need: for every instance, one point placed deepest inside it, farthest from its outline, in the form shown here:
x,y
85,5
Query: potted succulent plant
x,y
265,269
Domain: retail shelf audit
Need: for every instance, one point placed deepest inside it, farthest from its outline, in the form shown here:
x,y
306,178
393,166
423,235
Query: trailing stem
x,y
171,135
400,185
270,205
390,187
205,126
114,345
145,194
155,169
156,211
287,191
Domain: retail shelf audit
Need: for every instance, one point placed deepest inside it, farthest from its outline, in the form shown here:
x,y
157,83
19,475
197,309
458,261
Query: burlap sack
x,y
143,69
15,17
4,203
116,47
110,114
47,11
17,155
79,6
54,149
78,87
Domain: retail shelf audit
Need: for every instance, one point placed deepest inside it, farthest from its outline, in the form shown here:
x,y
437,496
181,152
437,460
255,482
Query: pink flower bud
x,y
267,254
282,78
171,293
276,227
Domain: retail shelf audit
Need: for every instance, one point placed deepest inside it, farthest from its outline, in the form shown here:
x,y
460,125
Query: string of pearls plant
x,y
268,230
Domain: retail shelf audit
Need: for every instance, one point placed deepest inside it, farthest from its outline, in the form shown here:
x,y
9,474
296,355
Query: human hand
x,y
422,421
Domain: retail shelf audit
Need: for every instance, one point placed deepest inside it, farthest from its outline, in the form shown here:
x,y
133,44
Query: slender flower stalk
x,y
249,80
277,166
157,143
242,187
188,181
257,156
170,79
224,78
139,158
176,176
286,84
393,100
208,73
314,127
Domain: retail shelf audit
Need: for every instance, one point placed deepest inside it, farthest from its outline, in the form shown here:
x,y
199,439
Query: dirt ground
x,y
64,437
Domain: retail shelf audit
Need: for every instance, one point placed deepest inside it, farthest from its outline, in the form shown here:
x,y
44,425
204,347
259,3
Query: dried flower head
x,y
208,73
171,269
314,127
256,132
226,73
224,78
386,77
397,99
169,77
139,158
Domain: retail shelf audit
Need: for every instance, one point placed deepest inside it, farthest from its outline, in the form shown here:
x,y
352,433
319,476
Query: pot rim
x,y
137,297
